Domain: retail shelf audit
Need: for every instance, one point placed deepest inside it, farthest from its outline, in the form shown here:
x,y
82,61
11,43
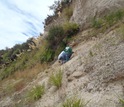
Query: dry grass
x,y
29,74
19,86
18,80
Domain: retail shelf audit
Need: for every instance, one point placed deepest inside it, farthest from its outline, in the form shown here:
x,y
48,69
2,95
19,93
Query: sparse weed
x,y
56,79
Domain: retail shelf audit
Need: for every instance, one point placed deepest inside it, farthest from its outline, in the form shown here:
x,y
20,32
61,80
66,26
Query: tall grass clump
x,y
56,79
48,55
73,102
68,12
36,93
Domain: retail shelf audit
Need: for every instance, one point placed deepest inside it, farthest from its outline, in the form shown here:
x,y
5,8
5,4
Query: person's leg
x,y
67,57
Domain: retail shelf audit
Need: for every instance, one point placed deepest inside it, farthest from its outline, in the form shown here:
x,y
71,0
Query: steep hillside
x,y
95,74
93,77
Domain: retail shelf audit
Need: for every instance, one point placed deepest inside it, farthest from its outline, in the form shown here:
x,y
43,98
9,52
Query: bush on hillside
x,y
57,40
70,29
54,39
55,36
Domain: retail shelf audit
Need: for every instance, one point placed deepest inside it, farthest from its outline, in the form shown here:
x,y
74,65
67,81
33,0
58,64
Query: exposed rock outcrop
x,y
85,10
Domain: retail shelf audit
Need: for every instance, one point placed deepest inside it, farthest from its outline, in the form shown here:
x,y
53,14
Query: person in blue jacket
x,y
65,55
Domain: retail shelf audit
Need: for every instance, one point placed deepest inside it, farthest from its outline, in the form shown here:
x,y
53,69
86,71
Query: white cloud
x,y
21,19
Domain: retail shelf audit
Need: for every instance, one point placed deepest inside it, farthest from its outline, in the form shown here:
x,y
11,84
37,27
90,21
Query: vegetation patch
x,y
36,93
70,29
56,79
97,23
73,102
57,39
108,20
68,12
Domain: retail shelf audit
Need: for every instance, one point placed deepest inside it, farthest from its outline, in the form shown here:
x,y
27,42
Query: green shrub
x,y
54,40
48,55
55,35
73,102
56,79
7,71
16,52
6,56
70,29
36,93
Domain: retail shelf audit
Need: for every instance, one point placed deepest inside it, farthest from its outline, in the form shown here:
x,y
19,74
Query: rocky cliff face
x,y
85,10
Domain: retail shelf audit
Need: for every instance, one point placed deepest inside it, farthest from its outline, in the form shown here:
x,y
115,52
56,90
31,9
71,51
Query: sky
x,y
21,19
